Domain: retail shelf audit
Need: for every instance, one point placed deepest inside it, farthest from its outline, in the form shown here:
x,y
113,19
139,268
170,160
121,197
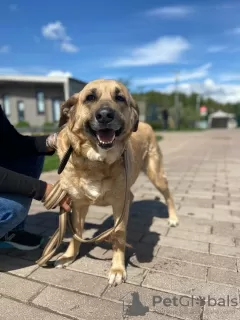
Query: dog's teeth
x,y
103,142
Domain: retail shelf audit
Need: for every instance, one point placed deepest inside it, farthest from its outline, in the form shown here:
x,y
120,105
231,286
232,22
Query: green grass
x,y
52,162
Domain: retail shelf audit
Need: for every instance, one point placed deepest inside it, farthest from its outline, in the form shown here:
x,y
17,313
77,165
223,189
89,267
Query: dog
x,y
99,123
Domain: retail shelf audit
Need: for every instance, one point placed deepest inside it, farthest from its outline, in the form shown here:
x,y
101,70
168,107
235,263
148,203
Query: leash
x,y
53,199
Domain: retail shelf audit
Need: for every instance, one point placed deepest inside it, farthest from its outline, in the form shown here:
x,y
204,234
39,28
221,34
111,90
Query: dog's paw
x,y
173,222
63,262
117,276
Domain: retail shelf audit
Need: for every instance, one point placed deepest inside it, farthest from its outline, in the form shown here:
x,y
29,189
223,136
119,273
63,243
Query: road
x,y
168,268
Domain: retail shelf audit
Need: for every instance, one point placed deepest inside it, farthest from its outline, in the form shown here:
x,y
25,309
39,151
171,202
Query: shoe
x,y
21,240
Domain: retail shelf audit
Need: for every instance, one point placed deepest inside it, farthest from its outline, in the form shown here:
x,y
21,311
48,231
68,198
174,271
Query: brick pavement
x,y
201,257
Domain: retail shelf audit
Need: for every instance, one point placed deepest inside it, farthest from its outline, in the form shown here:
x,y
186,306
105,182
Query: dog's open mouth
x,y
105,137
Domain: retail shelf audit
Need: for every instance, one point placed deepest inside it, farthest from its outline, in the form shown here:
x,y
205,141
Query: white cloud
x,y
59,73
4,49
68,47
8,70
215,49
227,77
164,50
197,73
171,11
223,93
13,7
56,31
23,70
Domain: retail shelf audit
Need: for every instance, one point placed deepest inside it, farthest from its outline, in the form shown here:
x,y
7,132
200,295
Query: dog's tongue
x,y
106,135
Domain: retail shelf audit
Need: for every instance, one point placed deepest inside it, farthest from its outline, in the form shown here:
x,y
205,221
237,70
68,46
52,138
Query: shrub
x,y
22,124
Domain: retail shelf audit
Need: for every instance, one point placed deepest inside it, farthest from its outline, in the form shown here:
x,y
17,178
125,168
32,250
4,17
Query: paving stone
x,y
78,305
195,225
234,198
237,240
210,238
144,252
159,229
187,286
225,218
236,213
223,229
224,276
135,275
16,266
91,266
224,250
18,288
151,316
71,280
194,212
179,243
10,310
219,312
175,267
158,301
221,198
198,195
236,227
198,258
200,203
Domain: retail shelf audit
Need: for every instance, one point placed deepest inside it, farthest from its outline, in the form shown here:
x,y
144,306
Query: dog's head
x,y
103,112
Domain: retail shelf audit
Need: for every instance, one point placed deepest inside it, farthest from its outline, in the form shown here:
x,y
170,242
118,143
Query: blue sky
x,y
146,41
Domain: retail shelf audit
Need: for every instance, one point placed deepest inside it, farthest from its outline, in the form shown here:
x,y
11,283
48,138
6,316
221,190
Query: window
x,y
40,103
20,110
56,109
6,105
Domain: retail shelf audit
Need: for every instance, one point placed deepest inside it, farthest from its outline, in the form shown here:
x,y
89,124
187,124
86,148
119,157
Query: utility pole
x,y
176,100
198,100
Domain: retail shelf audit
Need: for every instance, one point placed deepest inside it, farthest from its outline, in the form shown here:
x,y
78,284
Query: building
x,y
35,99
221,119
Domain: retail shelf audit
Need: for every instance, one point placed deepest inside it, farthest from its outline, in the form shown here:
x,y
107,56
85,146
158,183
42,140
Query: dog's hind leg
x,y
118,273
78,220
155,172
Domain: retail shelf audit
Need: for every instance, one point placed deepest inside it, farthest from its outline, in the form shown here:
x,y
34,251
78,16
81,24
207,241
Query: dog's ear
x,y
134,114
66,109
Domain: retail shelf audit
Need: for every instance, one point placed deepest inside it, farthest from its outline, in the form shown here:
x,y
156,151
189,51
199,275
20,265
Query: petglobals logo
x,y
186,301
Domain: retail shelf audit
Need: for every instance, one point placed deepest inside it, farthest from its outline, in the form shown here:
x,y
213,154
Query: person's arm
x,y
14,143
13,182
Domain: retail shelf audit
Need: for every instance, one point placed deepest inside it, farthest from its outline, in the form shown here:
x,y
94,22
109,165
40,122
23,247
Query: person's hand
x,y
51,142
64,203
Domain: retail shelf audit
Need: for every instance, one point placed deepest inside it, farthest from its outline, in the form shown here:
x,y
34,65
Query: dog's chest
x,y
93,187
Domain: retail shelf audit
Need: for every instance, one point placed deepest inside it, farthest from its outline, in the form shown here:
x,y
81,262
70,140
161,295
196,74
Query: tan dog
x,y
102,118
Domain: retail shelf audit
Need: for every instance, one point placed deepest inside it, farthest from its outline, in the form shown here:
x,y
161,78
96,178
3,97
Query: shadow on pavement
x,y
142,214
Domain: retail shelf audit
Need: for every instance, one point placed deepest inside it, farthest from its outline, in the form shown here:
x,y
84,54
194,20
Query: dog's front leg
x,y
118,273
78,219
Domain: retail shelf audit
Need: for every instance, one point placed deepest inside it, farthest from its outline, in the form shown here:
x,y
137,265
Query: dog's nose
x,y
105,115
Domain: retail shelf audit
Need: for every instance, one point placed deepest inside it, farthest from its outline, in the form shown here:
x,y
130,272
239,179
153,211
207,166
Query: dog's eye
x,y
90,97
120,98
